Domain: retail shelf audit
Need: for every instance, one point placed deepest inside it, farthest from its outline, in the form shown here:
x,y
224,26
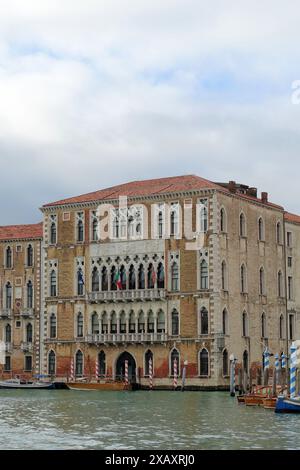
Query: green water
x,y
62,419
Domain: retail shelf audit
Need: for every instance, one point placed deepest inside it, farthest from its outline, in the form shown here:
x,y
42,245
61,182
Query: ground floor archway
x,y
120,367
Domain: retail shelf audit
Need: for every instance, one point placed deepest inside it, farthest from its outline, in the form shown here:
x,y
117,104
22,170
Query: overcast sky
x,y
98,92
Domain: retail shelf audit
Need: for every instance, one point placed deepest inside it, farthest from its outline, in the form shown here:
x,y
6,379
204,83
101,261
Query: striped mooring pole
x,y
72,371
126,373
283,361
293,371
97,369
266,359
277,367
175,374
150,374
232,375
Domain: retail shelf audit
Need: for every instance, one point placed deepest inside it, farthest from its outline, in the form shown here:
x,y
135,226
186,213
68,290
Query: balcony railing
x,y
27,312
126,338
126,295
6,313
8,347
26,347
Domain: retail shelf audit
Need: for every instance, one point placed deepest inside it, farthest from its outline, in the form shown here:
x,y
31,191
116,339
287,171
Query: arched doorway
x,y
120,367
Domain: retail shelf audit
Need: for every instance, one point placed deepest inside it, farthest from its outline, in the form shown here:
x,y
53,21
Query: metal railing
x,y
27,312
127,295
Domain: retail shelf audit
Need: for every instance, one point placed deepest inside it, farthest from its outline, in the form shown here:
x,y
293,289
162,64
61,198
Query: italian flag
x,y
118,280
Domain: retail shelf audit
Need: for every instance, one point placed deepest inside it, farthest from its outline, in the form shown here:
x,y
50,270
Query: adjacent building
x,y
20,275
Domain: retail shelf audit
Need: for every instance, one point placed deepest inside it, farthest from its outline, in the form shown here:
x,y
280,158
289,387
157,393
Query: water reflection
x,y
139,420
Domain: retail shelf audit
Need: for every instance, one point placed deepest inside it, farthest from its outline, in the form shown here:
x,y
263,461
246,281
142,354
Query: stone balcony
x,y
116,338
27,313
126,295
6,313
26,347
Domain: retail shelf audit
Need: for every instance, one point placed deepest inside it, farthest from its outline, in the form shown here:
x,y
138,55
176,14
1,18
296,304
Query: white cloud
x,y
94,93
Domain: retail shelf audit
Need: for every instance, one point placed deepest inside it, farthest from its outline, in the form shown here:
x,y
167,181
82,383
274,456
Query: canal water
x,y
62,419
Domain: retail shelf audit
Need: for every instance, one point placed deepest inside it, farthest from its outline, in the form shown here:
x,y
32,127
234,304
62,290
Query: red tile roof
x,y
292,218
16,232
142,188
153,187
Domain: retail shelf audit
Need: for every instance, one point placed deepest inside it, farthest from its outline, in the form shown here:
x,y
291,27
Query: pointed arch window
x,y
113,278
278,233
261,230
132,322
174,357
141,277
262,281
160,224
95,280
141,322
225,322
242,225
53,284
29,295
151,276
51,363
123,322
245,327
80,227
80,282
8,333
203,215
123,277
8,258
203,275
204,321
223,220
243,279
281,327
174,219
225,363
132,284
8,295
175,322
160,276
204,363
102,363
113,323
53,325
29,333
148,358
53,233
263,326
104,323
79,325
29,256
95,324
79,364
161,322
174,277
280,284
104,279
224,276
94,227
150,325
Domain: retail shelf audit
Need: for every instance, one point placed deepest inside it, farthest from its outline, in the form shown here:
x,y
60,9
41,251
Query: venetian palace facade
x,y
172,268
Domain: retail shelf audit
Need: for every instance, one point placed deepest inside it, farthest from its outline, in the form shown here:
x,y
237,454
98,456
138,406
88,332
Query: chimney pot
x,y
232,186
264,197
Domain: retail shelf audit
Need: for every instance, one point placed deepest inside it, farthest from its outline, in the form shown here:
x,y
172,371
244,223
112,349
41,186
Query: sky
x,y
96,93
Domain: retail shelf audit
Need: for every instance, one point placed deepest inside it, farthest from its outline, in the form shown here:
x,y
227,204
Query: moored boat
x,y
269,403
241,398
287,405
25,384
106,386
254,400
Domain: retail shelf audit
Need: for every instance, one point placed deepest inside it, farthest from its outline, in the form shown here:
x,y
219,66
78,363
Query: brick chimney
x,y
264,198
232,186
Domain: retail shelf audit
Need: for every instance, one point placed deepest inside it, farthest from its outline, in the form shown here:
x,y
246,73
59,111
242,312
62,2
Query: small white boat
x,y
27,384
